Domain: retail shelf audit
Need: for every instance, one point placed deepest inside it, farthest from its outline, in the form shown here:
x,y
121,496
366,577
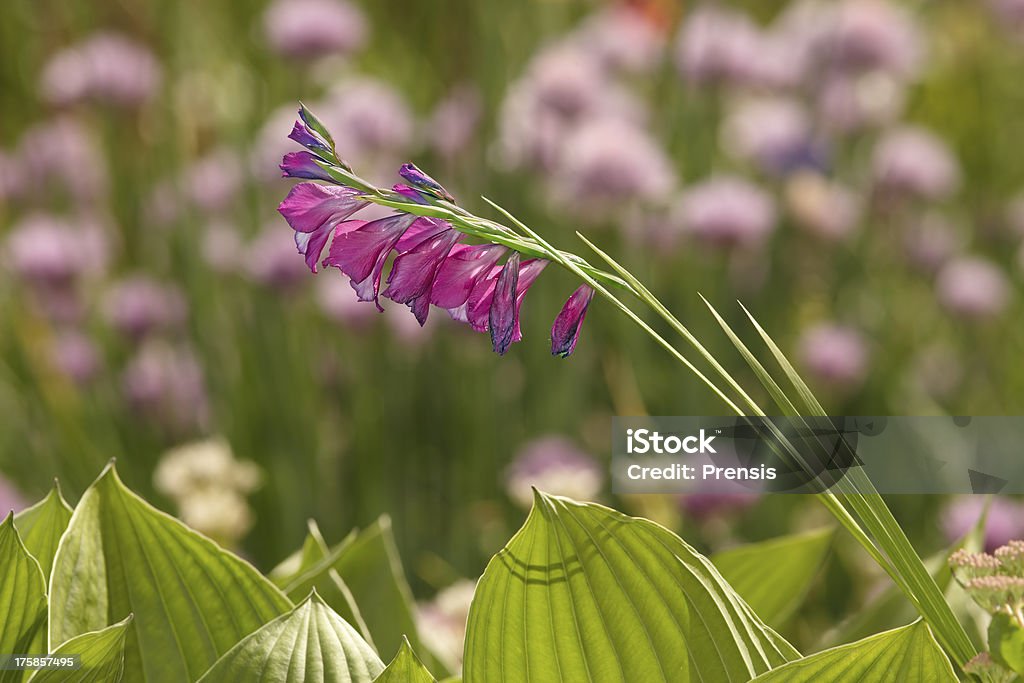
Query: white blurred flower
x,y
442,622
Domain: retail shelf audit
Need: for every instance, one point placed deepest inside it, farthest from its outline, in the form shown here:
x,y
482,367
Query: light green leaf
x,y
310,644
102,657
42,525
191,599
585,593
908,655
406,667
1006,642
315,571
774,576
22,600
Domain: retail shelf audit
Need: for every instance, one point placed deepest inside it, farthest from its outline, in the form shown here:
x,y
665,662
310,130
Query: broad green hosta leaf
x,y
102,657
585,593
406,667
192,600
908,655
315,571
310,644
774,576
22,600
1006,642
41,527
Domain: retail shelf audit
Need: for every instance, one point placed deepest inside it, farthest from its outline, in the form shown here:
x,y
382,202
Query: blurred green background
x,y
151,296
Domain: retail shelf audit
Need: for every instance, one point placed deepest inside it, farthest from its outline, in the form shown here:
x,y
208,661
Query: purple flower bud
x,y
565,332
503,313
307,29
553,464
106,68
422,181
361,252
308,139
727,211
914,161
137,306
972,288
834,354
304,165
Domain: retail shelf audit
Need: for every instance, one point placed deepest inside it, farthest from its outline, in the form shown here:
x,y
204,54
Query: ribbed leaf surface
x,y
22,600
102,656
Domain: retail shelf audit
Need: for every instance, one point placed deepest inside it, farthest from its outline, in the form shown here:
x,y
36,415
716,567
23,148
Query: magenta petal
x,y
310,206
478,305
460,272
565,331
528,273
503,314
362,252
413,272
421,229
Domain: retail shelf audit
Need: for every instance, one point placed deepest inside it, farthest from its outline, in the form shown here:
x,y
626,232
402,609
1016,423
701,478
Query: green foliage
x,y
42,525
102,656
1006,642
582,591
406,667
908,655
192,600
22,599
774,576
310,644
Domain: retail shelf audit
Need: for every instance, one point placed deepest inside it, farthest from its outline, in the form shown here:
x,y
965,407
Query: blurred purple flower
x,y
705,506
931,241
622,38
834,354
369,119
214,181
62,152
774,133
107,68
825,209
727,211
11,499
339,303
1005,520
314,28
873,35
718,45
565,331
972,288
75,356
454,121
442,622
50,251
165,384
553,464
608,160
137,306
12,182
222,247
849,102
914,161
269,259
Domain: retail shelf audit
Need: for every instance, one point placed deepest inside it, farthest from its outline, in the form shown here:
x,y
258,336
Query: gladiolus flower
x,y
461,271
313,211
413,274
360,253
566,330
503,313
423,182
303,165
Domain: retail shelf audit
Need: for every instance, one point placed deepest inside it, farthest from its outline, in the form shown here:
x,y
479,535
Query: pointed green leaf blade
x,y
310,644
22,600
908,655
191,599
102,657
774,576
1006,642
583,593
42,525
406,667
